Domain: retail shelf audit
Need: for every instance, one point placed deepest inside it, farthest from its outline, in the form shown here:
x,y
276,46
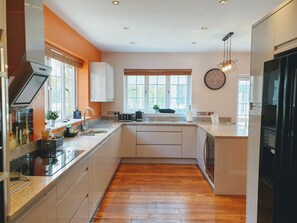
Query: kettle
x,y
139,115
76,114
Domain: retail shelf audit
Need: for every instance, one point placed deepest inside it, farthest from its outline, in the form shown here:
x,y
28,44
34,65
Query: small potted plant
x,y
51,116
156,108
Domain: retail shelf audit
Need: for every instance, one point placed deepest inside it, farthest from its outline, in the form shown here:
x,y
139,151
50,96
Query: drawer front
x,y
70,180
158,128
159,151
72,201
158,138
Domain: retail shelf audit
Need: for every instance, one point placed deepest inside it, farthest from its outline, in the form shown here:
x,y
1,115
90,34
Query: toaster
x,y
125,117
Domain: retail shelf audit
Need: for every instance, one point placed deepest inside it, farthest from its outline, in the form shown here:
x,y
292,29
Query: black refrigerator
x,y
277,189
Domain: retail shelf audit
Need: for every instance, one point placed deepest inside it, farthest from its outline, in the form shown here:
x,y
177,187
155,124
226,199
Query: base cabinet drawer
x,y
167,151
72,200
159,138
82,216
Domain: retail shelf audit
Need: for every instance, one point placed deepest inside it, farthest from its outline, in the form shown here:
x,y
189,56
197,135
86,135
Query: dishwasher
x,y
209,156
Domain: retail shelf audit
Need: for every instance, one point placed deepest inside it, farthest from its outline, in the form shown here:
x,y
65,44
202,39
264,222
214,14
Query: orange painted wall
x,y
61,35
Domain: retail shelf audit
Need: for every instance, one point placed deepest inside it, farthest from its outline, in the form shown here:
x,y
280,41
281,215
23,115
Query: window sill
x,y
60,124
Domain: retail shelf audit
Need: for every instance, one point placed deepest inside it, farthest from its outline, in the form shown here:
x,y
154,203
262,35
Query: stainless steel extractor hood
x,y
25,48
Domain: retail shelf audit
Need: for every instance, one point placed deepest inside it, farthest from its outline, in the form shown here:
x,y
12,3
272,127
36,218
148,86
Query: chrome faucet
x,y
84,126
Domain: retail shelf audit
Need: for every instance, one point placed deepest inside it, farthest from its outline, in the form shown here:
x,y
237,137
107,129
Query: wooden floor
x,y
166,193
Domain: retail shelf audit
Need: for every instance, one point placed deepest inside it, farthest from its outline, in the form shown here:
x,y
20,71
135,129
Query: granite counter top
x,y
160,123
225,130
22,200
217,130
3,176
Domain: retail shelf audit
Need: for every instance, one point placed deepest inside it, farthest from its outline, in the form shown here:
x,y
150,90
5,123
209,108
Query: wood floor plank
x,y
159,193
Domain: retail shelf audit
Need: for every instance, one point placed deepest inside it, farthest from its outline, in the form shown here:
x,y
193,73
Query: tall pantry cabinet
x,y
262,50
276,33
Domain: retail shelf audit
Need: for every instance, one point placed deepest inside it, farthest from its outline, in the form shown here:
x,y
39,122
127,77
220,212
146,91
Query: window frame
x,y
244,77
146,109
48,105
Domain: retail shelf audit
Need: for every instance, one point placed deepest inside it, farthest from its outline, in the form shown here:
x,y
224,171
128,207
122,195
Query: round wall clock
x,y
215,79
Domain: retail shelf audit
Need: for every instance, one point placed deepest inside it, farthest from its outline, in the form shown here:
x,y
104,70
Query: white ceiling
x,y
163,25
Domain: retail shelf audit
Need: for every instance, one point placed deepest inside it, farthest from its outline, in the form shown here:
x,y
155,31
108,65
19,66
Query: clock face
x,y
215,79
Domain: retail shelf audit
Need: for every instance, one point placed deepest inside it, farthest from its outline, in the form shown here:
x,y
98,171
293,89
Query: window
x,y
61,94
167,91
243,100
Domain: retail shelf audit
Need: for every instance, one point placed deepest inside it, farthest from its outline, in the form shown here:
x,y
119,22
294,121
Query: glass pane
x,y
182,91
161,91
183,79
131,91
140,79
161,79
131,79
174,80
153,80
140,90
153,91
173,91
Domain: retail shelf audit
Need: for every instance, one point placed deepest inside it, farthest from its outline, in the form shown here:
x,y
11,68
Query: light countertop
x,y
225,130
22,200
3,176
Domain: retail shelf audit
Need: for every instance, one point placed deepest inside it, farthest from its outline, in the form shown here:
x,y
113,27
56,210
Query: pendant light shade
x,y
228,65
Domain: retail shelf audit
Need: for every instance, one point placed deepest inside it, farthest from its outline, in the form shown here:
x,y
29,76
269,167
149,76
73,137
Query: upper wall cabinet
x,y
286,29
262,50
102,82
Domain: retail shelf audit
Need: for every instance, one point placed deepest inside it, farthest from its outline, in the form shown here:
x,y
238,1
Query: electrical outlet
x,y
112,112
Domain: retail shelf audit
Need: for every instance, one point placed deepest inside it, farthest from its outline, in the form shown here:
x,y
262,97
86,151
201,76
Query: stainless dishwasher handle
x,y
204,151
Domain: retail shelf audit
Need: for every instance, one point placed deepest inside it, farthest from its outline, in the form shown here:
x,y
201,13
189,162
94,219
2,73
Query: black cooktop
x,y
43,162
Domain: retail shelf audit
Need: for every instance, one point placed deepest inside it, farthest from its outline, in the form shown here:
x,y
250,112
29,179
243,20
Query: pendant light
x,y
228,65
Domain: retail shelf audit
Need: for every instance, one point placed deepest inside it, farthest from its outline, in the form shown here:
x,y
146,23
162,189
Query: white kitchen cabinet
x,y
97,176
116,147
102,83
262,50
43,211
82,215
201,137
286,29
71,193
159,151
230,166
158,141
129,141
189,139
158,138
103,164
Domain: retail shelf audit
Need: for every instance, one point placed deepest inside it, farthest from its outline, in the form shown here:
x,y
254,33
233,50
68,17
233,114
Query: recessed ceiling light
x,y
223,2
115,2
204,28
126,28
194,43
132,43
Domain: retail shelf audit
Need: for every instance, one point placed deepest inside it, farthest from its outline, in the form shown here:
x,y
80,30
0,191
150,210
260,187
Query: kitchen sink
x,y
93,132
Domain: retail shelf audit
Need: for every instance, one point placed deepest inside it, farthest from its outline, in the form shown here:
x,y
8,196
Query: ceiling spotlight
x,y
115,2
132,43
126,28
204,28
223,2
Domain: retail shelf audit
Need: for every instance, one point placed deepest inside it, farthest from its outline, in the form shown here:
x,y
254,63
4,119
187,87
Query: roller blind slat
x,y
60,55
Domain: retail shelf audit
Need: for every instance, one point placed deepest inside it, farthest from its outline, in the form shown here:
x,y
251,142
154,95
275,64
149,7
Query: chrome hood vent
x,y
25,48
